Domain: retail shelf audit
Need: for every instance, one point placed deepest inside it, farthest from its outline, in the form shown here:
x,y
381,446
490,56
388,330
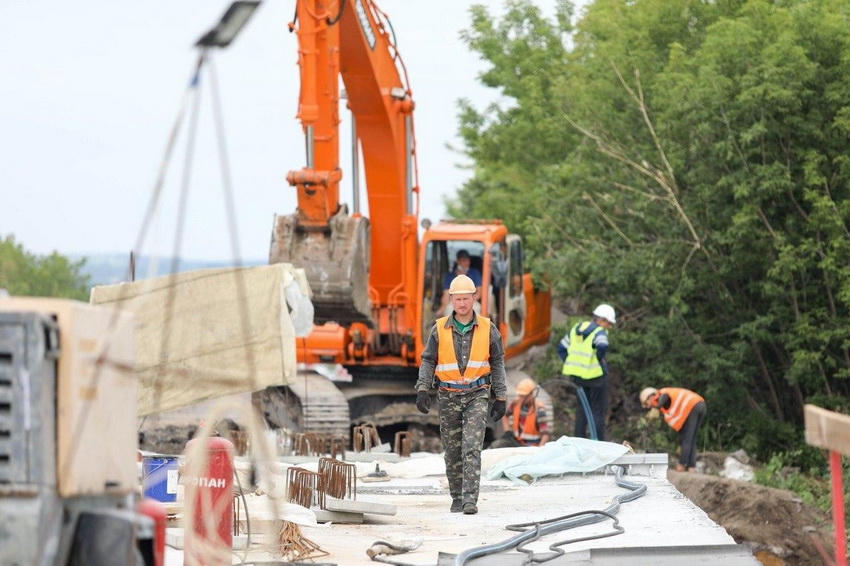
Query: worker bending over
x,y
526,422
465,356
684,411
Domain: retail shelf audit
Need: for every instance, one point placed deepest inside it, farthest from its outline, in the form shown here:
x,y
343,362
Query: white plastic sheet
x,y
565,455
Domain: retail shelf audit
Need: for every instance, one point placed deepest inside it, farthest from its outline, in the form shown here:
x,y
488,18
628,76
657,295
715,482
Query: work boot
x,y
457,505
469,509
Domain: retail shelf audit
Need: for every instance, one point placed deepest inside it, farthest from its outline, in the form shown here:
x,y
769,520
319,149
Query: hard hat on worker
x,y
606,312
646,393
462,284
524,387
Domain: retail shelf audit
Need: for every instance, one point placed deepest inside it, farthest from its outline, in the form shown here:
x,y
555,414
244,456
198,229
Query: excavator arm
x,y
374,286
360,271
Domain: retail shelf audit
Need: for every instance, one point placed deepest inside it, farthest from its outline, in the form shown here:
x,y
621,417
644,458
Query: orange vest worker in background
x,y
684,411
526,422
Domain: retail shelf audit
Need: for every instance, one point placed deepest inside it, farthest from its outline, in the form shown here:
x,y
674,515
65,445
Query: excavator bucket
x,y
336,261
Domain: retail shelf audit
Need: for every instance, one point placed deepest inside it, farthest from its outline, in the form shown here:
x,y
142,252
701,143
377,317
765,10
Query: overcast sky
x,y
90,88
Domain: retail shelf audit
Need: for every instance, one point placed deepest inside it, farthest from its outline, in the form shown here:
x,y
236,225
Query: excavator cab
x,y
506,295
441,265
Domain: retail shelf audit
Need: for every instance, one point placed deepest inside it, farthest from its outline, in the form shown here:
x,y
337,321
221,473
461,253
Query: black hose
x,y
294,19
562,523
331,22
555,547
588,413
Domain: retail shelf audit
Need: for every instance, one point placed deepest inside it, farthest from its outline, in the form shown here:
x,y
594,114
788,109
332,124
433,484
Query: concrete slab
x,y
324,516
718,555
661,519
359,506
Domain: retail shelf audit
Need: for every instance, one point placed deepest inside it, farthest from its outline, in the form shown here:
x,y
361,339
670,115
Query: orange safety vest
x,y
682,401
448,370
530,435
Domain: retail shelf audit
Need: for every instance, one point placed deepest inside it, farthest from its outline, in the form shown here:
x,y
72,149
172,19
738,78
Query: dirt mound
x,y
776,524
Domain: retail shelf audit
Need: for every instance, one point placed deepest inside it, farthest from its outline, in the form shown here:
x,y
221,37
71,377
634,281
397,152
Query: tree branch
x,y
606,218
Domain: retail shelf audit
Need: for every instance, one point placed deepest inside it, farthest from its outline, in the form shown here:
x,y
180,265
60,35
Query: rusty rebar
x,y
402,443
337,479
337,447
301,486
365,437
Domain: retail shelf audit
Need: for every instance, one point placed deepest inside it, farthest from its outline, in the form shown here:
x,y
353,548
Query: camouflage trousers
x,y
463,421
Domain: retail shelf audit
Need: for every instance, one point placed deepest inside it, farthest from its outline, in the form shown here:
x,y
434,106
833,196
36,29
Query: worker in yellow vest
x,y
526,422
685,412
464,357
583,350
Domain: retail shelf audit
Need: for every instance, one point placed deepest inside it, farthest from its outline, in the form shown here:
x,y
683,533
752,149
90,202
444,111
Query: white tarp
x,y
565,455
209,333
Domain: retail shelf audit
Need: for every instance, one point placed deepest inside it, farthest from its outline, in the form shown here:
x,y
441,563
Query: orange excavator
x,y
376,284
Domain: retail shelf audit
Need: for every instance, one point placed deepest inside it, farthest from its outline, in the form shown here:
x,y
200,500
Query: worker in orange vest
x,y
684,411
526,422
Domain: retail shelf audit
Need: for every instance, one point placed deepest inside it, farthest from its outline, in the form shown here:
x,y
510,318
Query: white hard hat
x,y
606,312
461,284
646,393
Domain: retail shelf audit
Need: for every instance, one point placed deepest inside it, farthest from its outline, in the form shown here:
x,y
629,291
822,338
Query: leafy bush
x,y
798,471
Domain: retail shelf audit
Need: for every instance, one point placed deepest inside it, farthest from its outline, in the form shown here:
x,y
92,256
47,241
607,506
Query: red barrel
x,y
156,511
211,540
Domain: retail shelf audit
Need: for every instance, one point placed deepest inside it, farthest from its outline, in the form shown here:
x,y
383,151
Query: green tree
x,y
686,162
26,274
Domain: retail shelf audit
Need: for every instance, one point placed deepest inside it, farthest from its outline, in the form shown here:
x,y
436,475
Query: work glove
x,y
423,402
498,410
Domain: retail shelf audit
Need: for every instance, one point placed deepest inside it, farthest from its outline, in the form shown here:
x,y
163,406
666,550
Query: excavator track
x,y
311,403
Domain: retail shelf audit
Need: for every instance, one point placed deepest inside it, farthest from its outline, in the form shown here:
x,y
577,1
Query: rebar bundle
x,y
302,486
295,546
337,447
402,443
337,479
311,444
365,437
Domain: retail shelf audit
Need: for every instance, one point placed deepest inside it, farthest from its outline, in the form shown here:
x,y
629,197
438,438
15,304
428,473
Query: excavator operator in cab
x,y
462,266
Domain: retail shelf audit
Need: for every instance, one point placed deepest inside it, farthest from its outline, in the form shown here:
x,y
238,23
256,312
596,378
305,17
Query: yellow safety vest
x,y
448,370
581,357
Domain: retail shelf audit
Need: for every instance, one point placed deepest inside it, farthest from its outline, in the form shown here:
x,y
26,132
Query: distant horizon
x,y
108,269
116,255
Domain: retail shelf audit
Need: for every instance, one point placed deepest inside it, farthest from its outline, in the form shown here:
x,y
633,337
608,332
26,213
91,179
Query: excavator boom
x,y
376,289
354,278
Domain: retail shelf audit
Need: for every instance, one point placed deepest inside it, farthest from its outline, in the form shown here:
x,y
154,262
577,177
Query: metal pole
x,y
308,135
408,126
838,508
355,168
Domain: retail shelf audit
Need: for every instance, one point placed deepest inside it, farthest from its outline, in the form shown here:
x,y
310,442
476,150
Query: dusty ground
x,y
779,528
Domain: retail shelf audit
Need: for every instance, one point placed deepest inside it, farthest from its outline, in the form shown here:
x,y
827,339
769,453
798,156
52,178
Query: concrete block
x,y
347,505
324,516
